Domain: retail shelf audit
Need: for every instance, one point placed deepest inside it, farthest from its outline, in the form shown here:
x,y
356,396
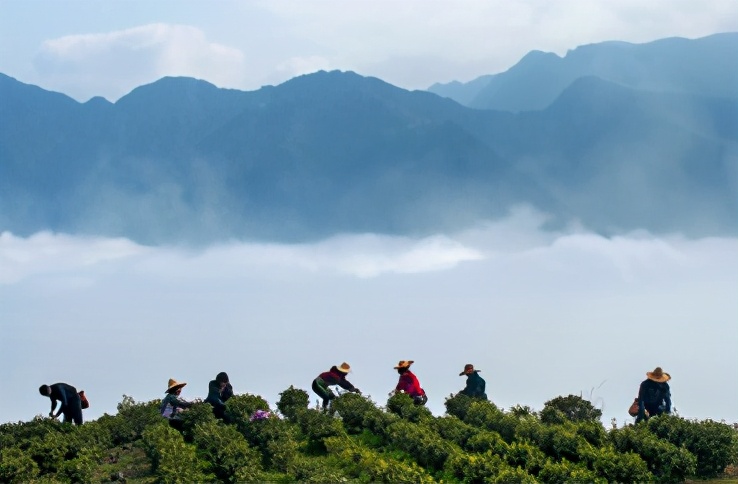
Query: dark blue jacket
x,y
475,386
65,394
655,397
217,397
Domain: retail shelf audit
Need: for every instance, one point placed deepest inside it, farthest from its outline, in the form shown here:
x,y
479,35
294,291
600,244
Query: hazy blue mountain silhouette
x,y
704,66
182,161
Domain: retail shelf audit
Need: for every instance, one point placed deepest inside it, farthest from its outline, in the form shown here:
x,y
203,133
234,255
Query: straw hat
x,y
658,375
174,385
344,368
468,368
404,364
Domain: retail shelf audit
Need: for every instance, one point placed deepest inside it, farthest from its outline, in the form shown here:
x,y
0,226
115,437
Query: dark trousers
x,y
176,423
323,391
73,410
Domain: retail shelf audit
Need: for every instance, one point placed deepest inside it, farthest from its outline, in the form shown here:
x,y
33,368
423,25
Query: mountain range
x,y
614,136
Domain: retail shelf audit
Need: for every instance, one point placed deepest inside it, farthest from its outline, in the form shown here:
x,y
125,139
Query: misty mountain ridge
x,y
183,161
704,66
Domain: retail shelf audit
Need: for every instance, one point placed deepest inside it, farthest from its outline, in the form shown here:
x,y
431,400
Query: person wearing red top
x,y
409,383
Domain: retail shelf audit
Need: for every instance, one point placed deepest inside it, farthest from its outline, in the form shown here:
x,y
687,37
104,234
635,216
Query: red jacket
x,y
409,384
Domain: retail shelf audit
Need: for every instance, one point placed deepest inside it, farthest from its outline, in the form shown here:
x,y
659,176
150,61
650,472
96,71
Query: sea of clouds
x,y
541,313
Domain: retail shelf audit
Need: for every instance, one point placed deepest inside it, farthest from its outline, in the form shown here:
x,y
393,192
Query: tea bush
x,y
132,419
453,429
486,415
80,468
458,405
291,400
316,425
615,466
709,441
226,451
369,466
17,466
353,408
526,456
572,408
275,438
378,422
172,459
401,404
558,441
565,471
487,467
485,440
421,442
49,452
239,408
318,470
666,461
21,433
360,442
199,413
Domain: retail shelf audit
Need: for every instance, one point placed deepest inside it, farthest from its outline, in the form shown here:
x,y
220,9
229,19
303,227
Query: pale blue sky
x,y
541,314
90,47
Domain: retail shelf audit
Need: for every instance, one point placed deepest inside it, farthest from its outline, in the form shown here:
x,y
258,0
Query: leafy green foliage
x,y
292,400
239,408
226,451
16,466
458,405
370,466
133,419
711,442
353,409
316,425
197,414
421,442
487,416
173,460
572,408
402,404
359,442
563,471
666,461
452,429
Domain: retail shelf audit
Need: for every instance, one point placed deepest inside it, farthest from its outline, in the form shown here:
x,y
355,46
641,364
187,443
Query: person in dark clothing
x,y
408,383
335,376
219,391
654,395
68,398
475,384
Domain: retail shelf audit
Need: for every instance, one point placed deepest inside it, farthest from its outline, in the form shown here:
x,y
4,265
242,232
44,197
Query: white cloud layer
x,y
113,63
542,314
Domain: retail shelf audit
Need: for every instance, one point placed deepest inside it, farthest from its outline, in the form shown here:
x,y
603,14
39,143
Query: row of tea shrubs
x,y
358,441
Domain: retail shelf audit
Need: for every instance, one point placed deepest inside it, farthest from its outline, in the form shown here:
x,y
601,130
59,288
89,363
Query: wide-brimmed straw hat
x,y
658,375
344,367
404,364
174,385
468,368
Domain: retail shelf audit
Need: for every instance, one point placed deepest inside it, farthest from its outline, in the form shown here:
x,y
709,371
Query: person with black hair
x,y
70,403
219,391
